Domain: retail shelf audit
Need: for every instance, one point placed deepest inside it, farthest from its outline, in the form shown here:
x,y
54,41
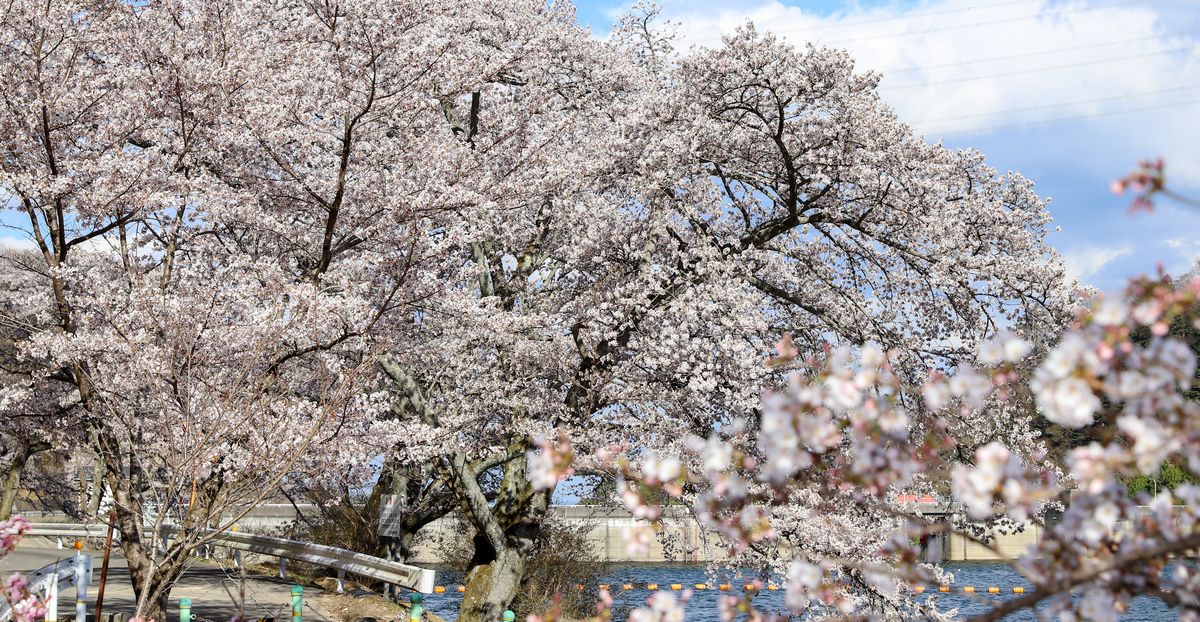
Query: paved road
x,y
205,583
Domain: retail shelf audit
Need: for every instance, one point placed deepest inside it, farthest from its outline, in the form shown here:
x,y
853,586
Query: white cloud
x,y
1187,254
1055,60
1085,263
10,242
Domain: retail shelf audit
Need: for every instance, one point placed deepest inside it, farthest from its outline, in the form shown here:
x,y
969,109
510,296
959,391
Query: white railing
x,y
46,580
342,560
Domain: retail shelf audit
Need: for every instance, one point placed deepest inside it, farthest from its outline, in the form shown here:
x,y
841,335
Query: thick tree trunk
x,y
12,480
151,575
151,578
23,451
84,486
97,494
492,587
508,531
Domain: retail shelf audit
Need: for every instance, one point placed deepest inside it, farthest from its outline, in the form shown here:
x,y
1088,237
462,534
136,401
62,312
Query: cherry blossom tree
x,y
1109,547
723,198
1122,376
230,203
251,218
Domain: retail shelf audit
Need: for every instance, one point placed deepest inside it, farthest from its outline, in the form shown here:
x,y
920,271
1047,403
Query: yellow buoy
x,y
993,590
944,588
1018,590
772,587
919,589
700,586
676,586
627,586
749,587
438,589
724,587
969,590
652,586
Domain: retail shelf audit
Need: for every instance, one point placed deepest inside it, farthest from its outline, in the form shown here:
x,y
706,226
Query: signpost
x,y
391,511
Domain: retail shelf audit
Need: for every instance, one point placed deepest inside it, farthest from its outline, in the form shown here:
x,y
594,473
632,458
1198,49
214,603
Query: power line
x,y
901,35
859,22
1019,72
1107,113
876,20
1008,20
1075,48
1077,102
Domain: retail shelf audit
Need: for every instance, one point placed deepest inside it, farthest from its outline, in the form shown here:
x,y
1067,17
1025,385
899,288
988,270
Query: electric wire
x,y
1006,74
1075,48
1008,20
1076,102
1107,113
937,29
876,20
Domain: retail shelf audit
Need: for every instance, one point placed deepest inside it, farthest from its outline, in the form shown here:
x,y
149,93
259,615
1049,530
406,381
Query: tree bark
x,y
12,480
151,579
150,574
491,587
12,475
508,531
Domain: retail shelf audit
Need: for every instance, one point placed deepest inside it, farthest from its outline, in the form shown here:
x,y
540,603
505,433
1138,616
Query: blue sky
x,y
1071,93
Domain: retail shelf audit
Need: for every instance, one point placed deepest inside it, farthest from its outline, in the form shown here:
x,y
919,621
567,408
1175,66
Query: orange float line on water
x,y
919,589
750,587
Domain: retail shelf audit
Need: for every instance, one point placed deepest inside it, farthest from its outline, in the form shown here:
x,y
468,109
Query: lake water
x,y
703,605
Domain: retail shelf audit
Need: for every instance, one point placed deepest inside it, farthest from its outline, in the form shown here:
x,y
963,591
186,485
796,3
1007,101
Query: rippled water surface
x,y
703,605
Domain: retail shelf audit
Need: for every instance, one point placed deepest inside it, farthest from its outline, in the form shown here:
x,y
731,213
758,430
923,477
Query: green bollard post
x,y
415,610
297,603
509,616
185,609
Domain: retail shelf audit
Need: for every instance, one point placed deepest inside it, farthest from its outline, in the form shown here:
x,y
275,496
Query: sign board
x,y
391,511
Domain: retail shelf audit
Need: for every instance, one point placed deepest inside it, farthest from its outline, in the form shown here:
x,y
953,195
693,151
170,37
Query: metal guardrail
x,y
68,530
342,560
46,580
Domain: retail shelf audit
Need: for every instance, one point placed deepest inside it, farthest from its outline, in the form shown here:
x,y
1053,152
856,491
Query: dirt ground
x,y
355,604
351,607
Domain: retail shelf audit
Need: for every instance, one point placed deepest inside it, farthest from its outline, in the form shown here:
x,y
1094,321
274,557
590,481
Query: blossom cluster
x,y
11,531
26,607
831,435
551,462
1146,180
